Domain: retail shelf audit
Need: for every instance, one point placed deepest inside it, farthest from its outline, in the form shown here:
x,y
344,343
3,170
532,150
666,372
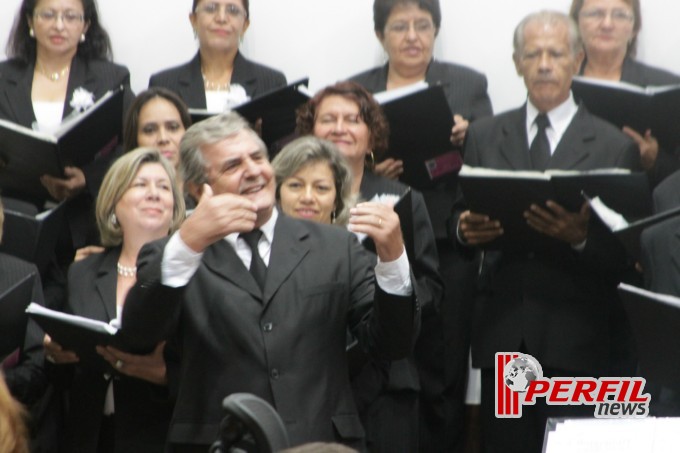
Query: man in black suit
x,y
284,339
558,304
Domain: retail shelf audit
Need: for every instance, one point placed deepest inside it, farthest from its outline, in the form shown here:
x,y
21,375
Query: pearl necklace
x,y
53,76
212,86
126,271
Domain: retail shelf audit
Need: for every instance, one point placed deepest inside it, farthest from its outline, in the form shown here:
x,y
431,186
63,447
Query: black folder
x,y
642,108
25,154
630,234
655,319
420,135
276,108
505,195
81,335
13,303
30,235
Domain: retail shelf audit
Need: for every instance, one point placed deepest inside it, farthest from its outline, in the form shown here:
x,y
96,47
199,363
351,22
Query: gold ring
x,y
50,358
119,364
380,221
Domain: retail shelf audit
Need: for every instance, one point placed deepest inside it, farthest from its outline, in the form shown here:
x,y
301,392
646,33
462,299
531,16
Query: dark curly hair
x,y
383,8
21,46
369,110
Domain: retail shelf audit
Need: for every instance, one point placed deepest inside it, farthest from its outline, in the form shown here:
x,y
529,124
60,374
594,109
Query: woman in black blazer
x,y
610,41
126,407
219,76
388,394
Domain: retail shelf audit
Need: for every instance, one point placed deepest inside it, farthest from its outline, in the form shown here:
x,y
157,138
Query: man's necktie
x,y
257,267
540,147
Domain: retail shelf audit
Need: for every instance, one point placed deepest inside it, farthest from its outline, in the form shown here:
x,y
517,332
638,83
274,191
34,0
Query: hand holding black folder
x,y
505,196
26,155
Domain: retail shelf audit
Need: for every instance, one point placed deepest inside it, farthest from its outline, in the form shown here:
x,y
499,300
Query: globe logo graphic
x,y
521,371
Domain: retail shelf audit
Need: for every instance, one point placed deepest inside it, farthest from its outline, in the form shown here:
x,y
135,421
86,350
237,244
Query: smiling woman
x,y
219,76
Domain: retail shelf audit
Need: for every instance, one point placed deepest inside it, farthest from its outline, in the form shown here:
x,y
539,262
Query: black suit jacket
x,y
187,81
286,345
466,93
660,257
667,194
561,305
142,409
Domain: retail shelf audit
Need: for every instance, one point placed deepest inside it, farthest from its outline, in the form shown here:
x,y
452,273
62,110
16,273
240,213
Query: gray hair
x,y
307,150
193,166
548,17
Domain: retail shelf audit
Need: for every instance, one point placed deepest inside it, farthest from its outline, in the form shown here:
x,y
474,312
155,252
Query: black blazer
x,y
466,93
187,81
562,304
667,194
142,409
660,257
286,345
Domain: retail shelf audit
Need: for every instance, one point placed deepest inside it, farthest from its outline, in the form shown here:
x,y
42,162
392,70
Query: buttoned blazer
x,y
142,409
285,344
466,94
187,81
561,304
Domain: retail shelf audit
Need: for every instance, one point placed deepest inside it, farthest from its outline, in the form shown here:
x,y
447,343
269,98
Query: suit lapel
x,y
514,146
18,95
243,75
574,147
222,259
675,257
79,77
288,250
191,84
106,283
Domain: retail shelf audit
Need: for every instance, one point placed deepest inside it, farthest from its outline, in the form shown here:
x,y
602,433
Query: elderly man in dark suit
x,y
279,331
559,304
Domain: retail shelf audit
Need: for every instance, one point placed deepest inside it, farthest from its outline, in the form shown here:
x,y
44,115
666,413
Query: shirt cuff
x,y
179,262
394,277
580,246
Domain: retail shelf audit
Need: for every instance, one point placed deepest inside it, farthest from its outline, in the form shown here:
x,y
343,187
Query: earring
x,y
31,33
82,37
240,39
333,216
195,34
113,219
370,162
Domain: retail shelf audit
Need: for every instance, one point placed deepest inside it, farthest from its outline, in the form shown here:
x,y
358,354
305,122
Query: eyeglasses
x,y
213,9
598,15
50,15
401,28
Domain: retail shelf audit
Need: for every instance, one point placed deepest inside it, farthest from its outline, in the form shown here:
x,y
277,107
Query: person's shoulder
x,y
261,69
11,67
455,70
16,264
172,72
498,120
643,74
90,264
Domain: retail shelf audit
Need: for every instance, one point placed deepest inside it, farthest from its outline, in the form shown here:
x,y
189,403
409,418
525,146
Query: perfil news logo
x,y
519,381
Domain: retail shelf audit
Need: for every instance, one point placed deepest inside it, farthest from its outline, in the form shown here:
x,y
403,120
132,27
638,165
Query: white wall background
x,y
330,40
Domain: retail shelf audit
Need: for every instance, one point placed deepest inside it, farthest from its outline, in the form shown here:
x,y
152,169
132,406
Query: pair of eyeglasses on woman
x,y
50,15
400,28
598,15
214,9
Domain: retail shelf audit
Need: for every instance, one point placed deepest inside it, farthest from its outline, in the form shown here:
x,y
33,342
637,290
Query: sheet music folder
x,y
655,319
276,108
505,195
30,235
13,302
420,135
79,334
25,154
629,233
625,104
